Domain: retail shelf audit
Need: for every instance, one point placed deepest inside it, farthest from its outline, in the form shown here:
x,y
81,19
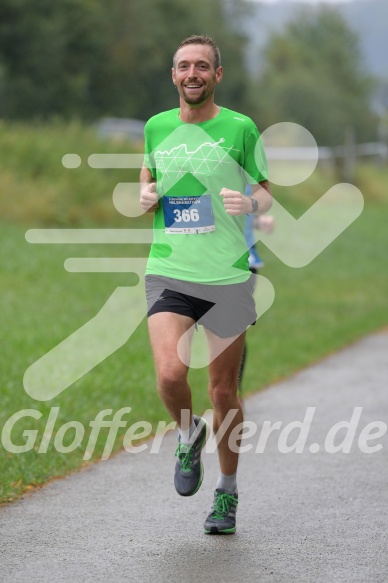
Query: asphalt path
x,y
312,515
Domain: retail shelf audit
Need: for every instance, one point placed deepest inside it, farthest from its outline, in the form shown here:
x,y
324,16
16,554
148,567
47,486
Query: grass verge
x,y
339,297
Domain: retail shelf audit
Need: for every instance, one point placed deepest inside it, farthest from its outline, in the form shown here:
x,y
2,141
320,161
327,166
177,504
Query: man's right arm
x,y
149,200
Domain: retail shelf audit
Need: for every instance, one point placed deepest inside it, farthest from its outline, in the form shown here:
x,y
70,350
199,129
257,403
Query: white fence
x,y
376,149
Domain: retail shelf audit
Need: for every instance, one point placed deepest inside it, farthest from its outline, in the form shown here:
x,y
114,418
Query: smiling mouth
x,y
193,86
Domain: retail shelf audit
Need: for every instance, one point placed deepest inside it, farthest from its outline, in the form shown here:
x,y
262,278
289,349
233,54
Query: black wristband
x,y
255,205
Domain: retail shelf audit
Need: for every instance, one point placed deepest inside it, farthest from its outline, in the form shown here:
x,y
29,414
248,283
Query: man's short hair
x,y
197,39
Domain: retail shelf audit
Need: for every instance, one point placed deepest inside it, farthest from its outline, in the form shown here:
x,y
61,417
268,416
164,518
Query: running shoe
x,y
189,468
222,517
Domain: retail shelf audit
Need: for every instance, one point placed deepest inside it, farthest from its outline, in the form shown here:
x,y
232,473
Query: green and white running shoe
x,y
189,468
222,518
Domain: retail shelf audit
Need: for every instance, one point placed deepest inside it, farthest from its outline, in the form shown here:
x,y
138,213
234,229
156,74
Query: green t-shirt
x,y
194,238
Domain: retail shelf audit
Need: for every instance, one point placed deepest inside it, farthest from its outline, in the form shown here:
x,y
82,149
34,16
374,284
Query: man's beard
x,y
203,96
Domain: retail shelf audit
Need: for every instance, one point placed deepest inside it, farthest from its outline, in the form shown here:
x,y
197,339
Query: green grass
x,y
339,297
38,191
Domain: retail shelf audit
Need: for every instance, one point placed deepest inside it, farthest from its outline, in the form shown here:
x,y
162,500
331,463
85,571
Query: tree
x,y
313,76
88,58
49,56
143,48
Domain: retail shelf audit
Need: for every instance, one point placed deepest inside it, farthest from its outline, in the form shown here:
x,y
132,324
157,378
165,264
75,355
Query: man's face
x,y
194,74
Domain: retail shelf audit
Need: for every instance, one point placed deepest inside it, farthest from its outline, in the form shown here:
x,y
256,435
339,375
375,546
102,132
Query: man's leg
x,y
223,381
166,329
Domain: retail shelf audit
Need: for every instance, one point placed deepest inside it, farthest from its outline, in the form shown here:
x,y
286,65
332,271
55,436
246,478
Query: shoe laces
x,y
222,503
185,454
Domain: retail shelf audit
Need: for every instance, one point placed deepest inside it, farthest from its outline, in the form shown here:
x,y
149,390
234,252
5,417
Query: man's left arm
x,y
236,203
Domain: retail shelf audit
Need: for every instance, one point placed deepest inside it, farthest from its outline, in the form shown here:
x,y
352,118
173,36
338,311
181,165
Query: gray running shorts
x,y
225,310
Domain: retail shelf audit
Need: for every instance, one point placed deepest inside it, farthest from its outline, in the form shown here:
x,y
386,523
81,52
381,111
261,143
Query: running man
x,y
198,160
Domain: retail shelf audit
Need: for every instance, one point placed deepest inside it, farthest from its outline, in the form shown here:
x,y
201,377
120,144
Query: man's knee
x,y
223,395
170,377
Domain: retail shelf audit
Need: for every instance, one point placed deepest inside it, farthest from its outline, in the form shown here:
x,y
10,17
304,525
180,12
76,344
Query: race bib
x,y
188,215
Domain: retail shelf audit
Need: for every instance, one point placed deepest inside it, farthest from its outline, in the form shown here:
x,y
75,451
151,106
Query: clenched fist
x,y
265,223
149,200
236,203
